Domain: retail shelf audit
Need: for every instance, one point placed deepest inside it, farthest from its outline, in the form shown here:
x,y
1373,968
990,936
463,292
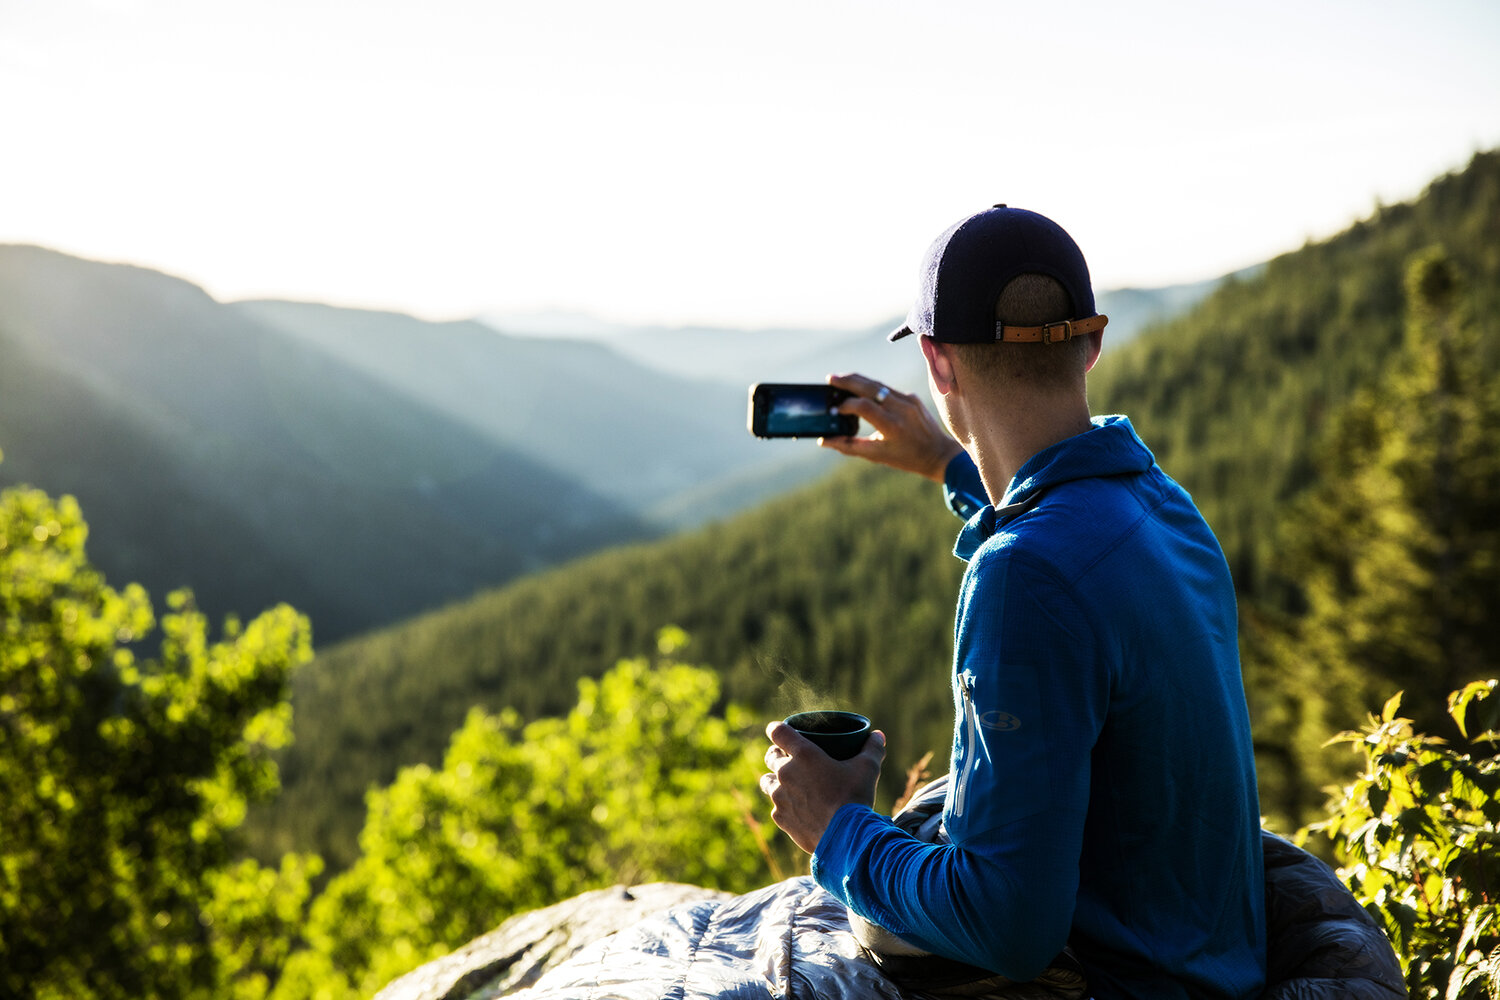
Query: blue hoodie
x,y
1103,788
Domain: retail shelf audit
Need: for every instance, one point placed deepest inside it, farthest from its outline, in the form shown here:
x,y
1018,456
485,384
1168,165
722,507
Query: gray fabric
x,y
792,940
788,941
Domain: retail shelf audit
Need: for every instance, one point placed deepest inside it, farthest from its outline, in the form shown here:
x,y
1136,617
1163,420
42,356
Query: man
x,y
1102,787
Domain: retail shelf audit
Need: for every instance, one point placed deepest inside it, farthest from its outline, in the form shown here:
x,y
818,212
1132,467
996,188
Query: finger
x,y
860,385
866,409
885,417
864,445
872,446
775,757
788,739
867,395
867,392
767,784
859,446
874,747
869,388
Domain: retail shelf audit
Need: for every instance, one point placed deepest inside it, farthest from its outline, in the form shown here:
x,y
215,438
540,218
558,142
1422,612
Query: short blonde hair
x,y
1029,300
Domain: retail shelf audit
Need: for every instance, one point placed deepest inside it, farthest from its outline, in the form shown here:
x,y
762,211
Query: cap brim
x,y
898,334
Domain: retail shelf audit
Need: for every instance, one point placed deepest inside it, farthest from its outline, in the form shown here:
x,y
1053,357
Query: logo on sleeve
x,y
1000,722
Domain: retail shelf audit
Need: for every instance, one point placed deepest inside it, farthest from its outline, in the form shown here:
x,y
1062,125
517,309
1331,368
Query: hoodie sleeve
x,y
1006,907
1002,894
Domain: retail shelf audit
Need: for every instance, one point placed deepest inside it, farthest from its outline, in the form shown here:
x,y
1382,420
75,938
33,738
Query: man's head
x,y
1011,290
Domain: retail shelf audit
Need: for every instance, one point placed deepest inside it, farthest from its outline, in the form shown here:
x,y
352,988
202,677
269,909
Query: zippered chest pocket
x,y
969,743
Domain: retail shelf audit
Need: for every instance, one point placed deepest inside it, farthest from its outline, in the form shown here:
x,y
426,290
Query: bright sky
x,y
780,162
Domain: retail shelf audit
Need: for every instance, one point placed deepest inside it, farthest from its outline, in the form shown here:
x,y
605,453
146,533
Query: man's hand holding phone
x,y
906,435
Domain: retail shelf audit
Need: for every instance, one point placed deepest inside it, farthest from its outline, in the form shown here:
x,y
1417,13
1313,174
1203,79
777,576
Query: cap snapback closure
x,y
1051,333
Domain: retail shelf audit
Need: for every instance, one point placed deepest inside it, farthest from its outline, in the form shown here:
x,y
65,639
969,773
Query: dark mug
x,y
840,734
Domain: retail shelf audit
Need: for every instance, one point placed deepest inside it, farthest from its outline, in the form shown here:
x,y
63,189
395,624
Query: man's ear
x,y
940,370
1096,344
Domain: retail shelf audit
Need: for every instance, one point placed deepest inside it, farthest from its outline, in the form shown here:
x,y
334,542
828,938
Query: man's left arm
x,y
1031,703
964,904
1005,904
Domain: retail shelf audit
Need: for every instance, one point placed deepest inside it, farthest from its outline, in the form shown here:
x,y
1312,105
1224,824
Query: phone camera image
x,y
799,413
799,410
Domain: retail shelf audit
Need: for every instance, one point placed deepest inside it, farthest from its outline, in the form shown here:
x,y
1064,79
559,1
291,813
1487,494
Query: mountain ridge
x,y
368,507
807,354
546,399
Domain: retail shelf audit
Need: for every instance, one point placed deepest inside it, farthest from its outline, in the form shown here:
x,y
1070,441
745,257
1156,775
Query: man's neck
x,y
1009,433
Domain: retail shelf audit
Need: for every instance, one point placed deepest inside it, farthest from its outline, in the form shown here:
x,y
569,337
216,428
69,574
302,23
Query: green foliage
x,y
1396,552
255,915
642,781
841,594
121,780
1418,833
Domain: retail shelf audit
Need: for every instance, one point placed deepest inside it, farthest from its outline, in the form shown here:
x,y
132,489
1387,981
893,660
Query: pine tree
x,y
1397,551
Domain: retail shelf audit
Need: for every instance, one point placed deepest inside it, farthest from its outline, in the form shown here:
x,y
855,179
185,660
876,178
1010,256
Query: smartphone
x,y
798,410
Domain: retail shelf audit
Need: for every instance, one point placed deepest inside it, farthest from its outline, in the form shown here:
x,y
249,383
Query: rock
x,y
515,954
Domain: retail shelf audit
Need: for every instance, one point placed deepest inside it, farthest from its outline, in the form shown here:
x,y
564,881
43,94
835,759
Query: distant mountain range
x,y
366,466
804,354
214,451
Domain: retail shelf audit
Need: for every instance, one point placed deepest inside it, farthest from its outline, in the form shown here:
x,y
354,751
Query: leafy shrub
x,y
636,784
1416,832
122,779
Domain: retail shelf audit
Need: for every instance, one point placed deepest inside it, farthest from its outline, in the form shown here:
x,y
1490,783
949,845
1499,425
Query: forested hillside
x,y
364,466
838,593
843,594
214,452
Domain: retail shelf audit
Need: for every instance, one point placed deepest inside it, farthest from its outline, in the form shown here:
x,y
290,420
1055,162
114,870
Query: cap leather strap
x,y
1052,333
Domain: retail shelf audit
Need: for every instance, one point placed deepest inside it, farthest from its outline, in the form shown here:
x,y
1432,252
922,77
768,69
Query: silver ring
x,y
883,394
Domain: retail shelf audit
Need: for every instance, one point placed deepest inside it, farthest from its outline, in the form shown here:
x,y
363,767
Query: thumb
x,y
874,747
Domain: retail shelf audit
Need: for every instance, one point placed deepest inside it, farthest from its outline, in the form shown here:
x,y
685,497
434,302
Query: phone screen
x,y
799,410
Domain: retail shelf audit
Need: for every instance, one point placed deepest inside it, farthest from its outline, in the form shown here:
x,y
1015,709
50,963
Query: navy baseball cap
x,y
968,266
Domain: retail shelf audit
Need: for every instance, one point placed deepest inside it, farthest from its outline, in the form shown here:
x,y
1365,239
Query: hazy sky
x,y
775,162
